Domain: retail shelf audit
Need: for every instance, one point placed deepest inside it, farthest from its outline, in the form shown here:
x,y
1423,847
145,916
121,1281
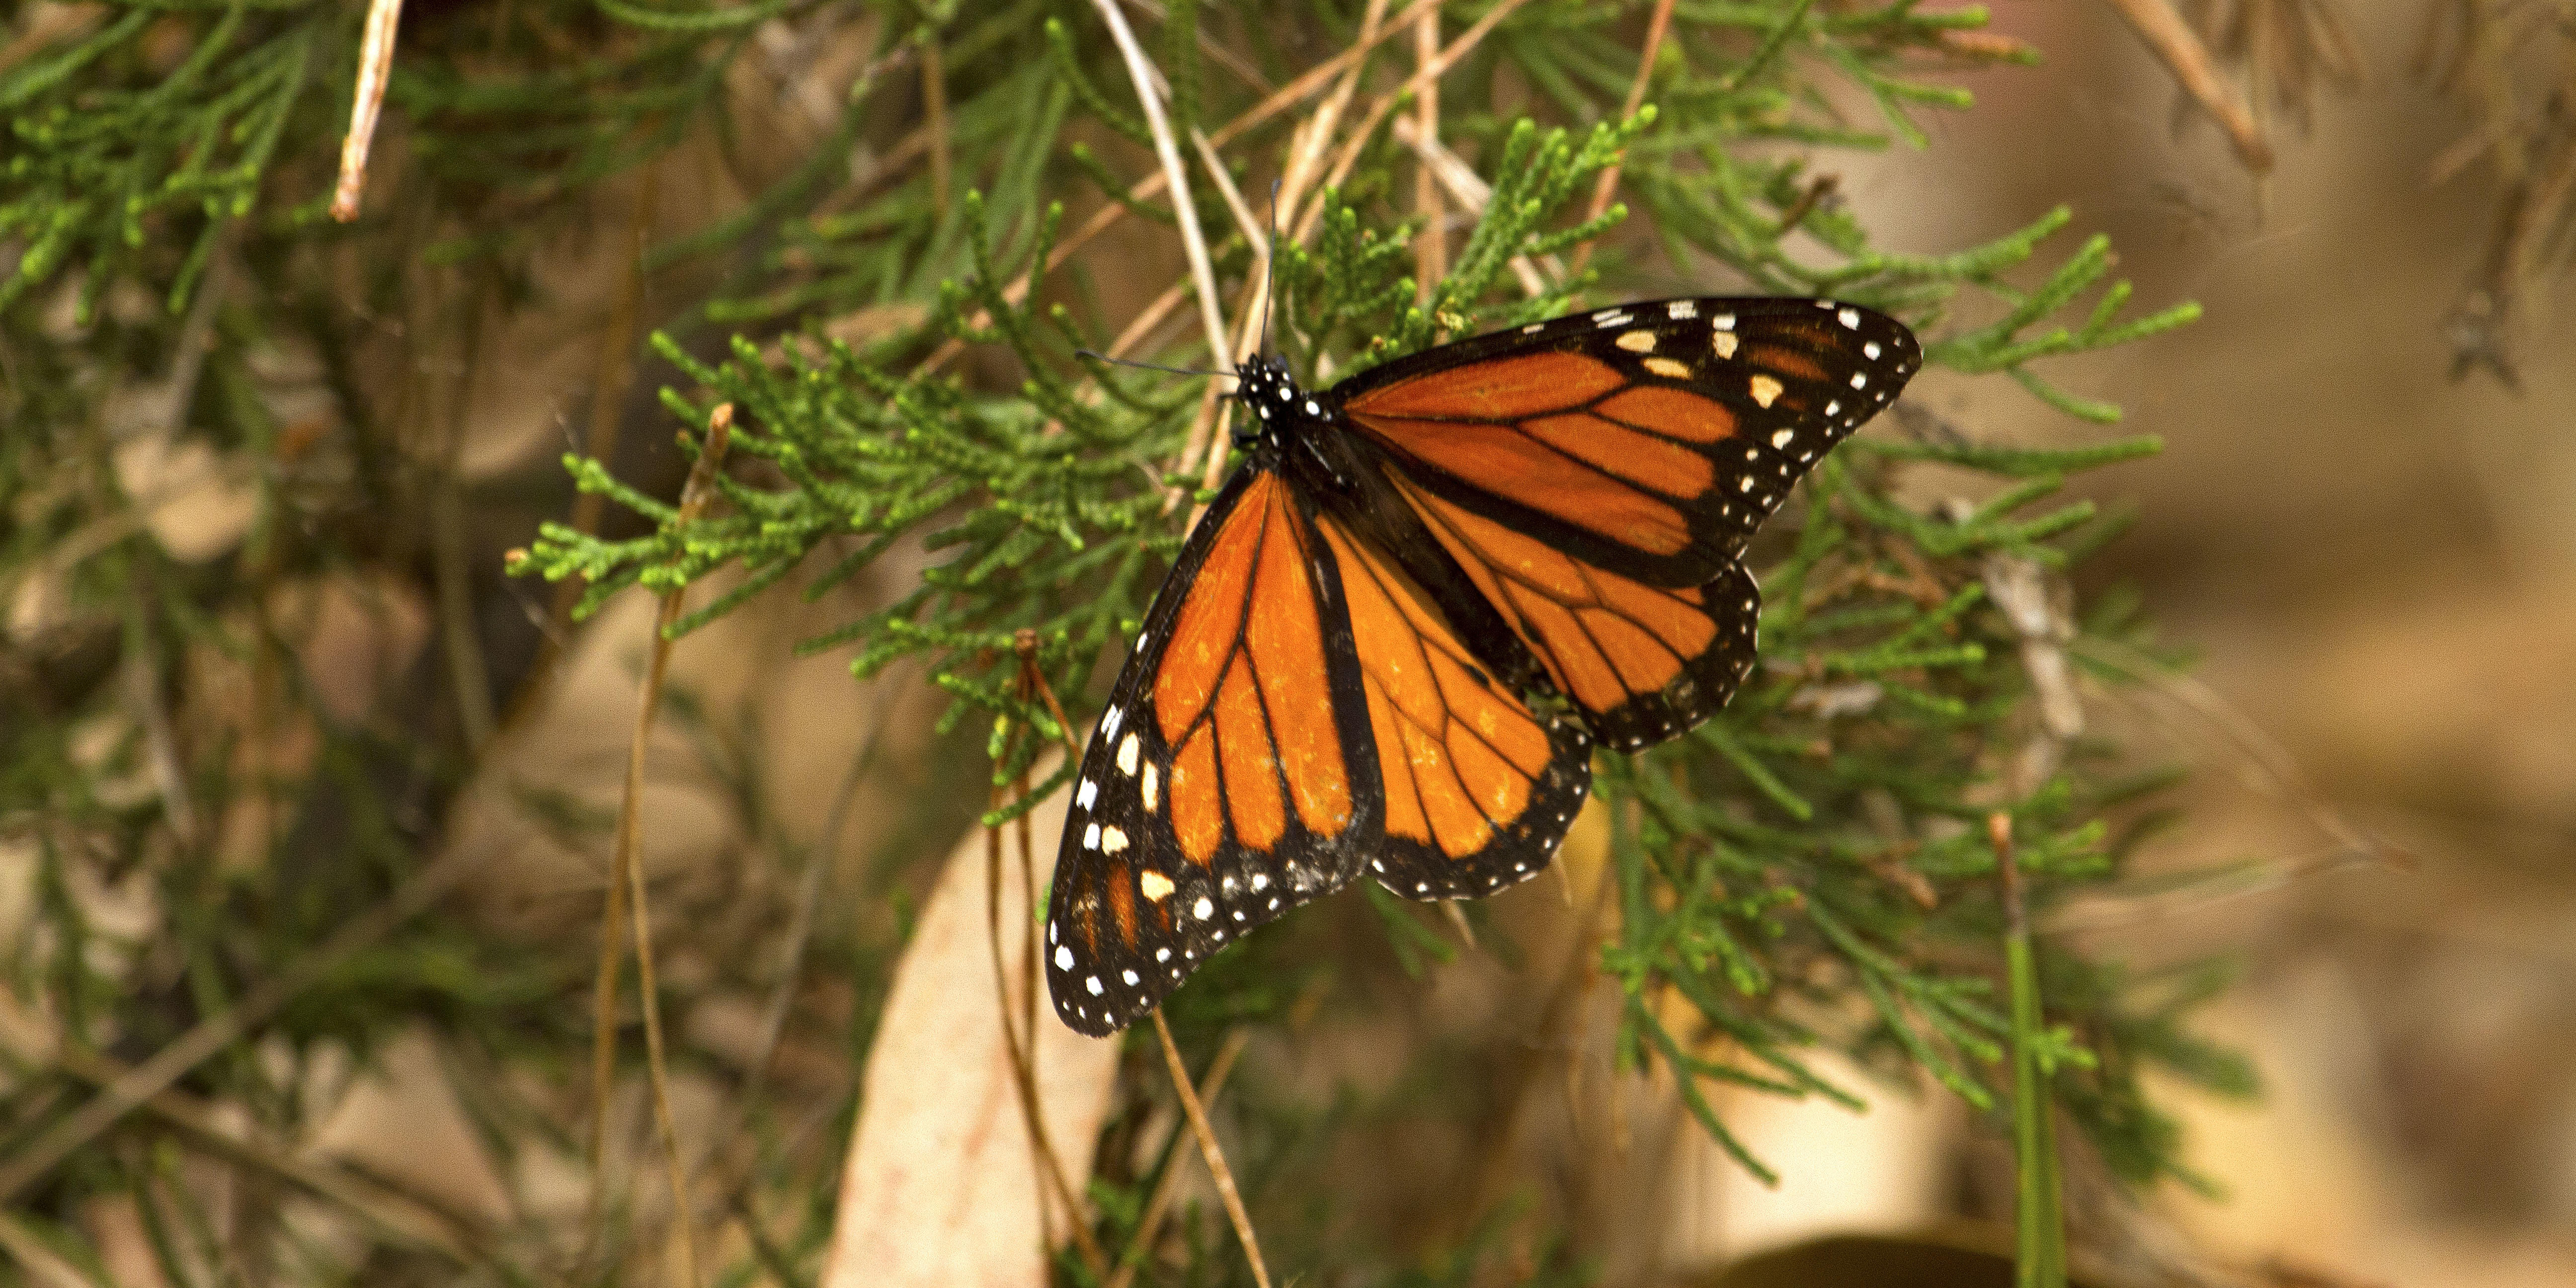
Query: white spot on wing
x,y
1091,837
1723,342
1092,982
1156,886
1782,438
1109,722
1129,976
1203,909
1153,788
1637,341
1089,793
1850,317
1870,350
1112,840
1127,755
1859,378
1766,390
1063,958
1682,310
1669,369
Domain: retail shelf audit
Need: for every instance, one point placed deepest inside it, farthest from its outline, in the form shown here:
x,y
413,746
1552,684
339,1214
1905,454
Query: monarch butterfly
x,y
1400,629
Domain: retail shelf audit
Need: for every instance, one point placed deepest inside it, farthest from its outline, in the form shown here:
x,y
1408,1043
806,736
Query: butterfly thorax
x,y
1276,407
1292,428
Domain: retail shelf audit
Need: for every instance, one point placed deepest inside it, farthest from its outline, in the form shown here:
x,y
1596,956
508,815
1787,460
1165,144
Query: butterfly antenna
x,y
1270,270
1146,366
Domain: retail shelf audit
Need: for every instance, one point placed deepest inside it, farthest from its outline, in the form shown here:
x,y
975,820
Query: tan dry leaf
x,y
940,1190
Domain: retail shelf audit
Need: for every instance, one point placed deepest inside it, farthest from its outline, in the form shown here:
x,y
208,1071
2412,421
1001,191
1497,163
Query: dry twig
x,y
1609,182
626,875
1159,1203
375,67
1176,175
1209,1150
2179,46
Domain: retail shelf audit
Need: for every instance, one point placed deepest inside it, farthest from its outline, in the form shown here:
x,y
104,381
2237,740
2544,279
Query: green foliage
x,y
1740,850
1807,871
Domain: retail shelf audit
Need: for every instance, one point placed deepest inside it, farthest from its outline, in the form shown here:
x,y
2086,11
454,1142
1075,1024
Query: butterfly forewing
x,y
1230,777
1649,440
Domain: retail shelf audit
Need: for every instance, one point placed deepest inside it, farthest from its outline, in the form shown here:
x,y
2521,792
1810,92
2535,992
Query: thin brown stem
x,y
1151,185
1357,141
1431,244
375,67
1159,1203
1175,174
627,871
1020,1046
1217,1170
1609,181
398,1217
2187,58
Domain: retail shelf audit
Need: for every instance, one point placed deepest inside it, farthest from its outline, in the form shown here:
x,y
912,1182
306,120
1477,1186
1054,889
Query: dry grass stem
x,y
1431,244
1019,1038
45,1267
1151,185
626,873
1609,181
1175,174
1208,1149
2278,770
375,67
1471,193
1149,1223
143,698
1385,106
2179,46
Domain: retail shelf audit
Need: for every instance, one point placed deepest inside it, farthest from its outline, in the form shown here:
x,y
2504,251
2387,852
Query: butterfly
x,y
1420,603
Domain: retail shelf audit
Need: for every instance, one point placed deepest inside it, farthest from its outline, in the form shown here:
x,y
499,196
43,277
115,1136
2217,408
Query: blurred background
x,y
2364,529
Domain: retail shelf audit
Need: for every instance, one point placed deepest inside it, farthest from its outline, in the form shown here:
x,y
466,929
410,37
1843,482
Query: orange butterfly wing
x,y
1231,777
1479,789
1596,478
1650,439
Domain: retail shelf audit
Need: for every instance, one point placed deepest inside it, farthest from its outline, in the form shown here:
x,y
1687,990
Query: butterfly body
x,y
1394,639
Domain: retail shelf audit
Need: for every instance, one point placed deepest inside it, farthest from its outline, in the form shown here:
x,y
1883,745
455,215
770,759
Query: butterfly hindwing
x,y
1231,776
1649,440
1479,788
1643,663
